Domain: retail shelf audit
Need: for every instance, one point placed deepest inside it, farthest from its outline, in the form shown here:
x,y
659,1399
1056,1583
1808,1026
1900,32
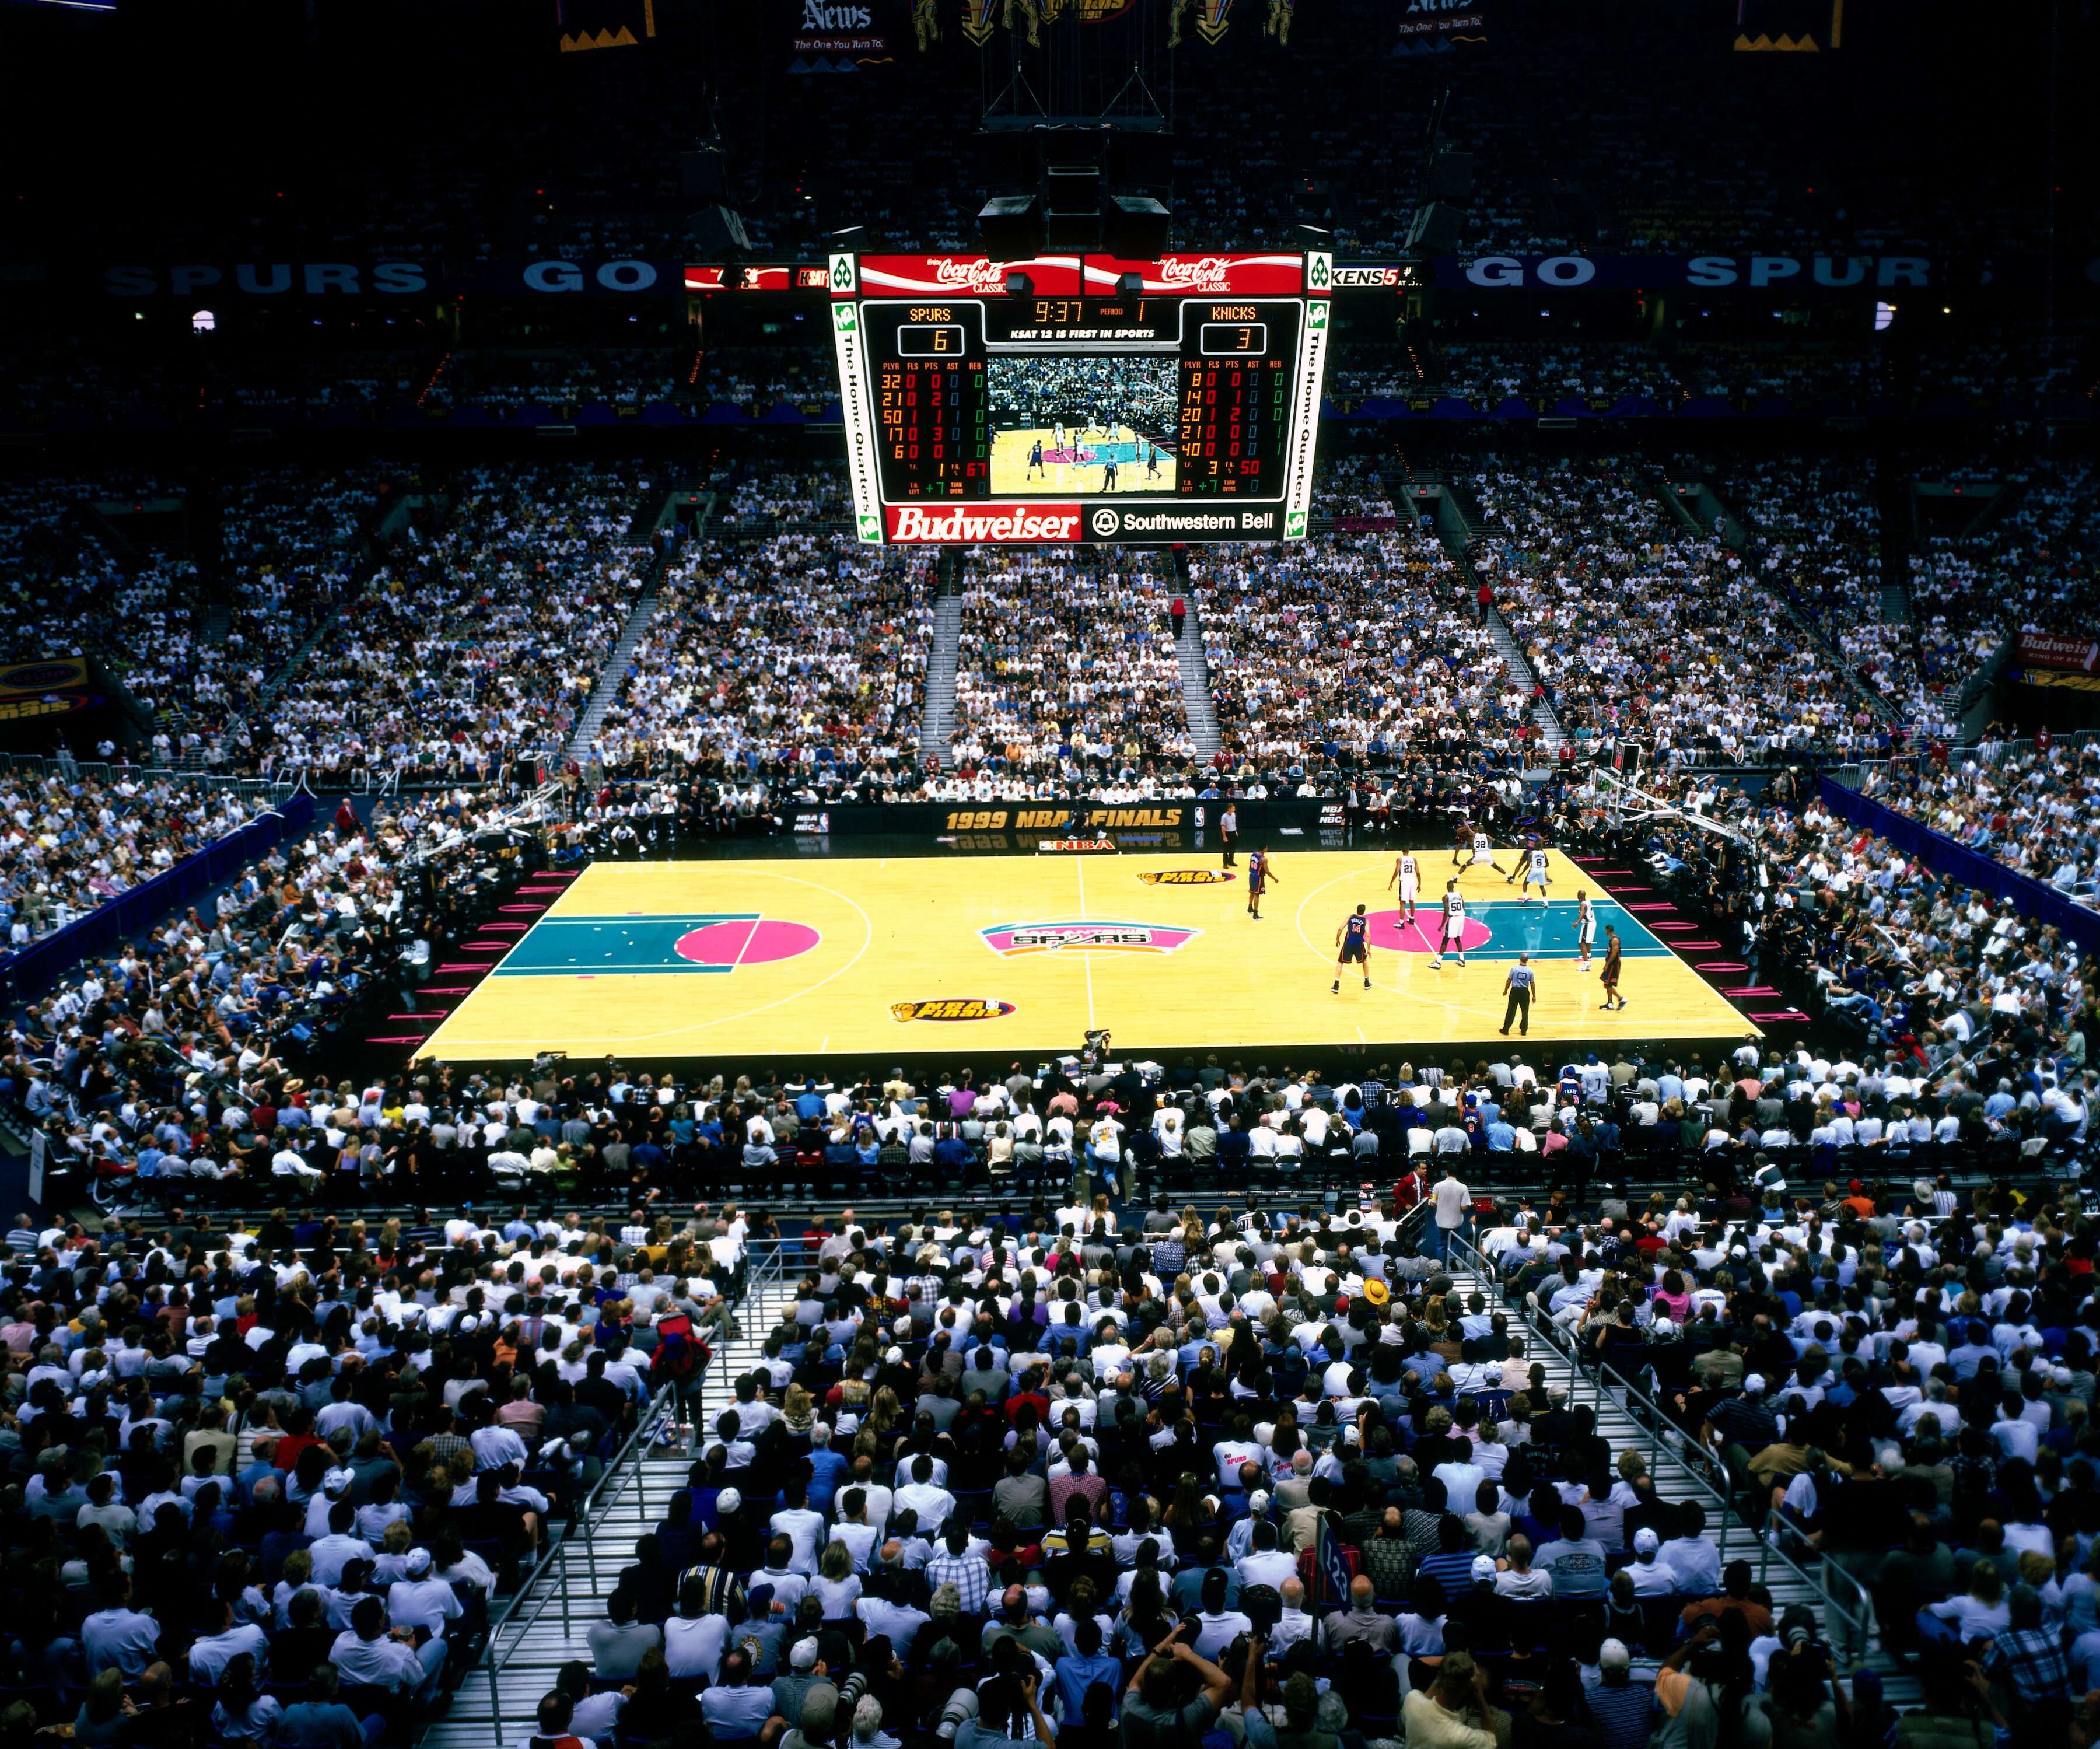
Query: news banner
x,y
1069,398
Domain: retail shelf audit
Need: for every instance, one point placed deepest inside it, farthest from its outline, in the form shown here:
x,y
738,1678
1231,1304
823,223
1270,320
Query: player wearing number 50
x,y
1521,981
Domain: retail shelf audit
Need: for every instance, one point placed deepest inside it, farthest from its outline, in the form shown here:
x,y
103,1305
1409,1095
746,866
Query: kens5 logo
x,y
1086,936
951,1008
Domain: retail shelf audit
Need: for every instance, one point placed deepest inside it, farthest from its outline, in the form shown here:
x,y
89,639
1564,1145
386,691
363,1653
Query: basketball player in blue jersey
x,y
1351,944
1261,872
1035,461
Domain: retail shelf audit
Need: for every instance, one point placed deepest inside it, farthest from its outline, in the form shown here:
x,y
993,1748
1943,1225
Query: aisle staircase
x,y
544,1624
1196,700
1552,736
939,720
613,675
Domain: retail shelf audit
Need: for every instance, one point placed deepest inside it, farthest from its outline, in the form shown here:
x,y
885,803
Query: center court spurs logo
x,y
1093,936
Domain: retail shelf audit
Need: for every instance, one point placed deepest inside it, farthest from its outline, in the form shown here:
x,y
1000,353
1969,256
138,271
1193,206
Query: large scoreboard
x,y
1081,398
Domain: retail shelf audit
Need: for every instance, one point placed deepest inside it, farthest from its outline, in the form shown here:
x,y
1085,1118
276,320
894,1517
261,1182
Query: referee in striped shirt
x,y
1518,986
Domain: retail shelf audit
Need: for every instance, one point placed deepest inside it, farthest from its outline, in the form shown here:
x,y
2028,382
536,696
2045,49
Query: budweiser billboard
x,y
960,522
2040,650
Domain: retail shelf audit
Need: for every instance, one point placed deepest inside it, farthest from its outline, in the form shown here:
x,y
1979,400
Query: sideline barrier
x,y
25,974
1943,855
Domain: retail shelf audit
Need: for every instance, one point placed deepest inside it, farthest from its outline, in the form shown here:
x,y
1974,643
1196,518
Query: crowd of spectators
x,y
261,1459
1351,647
69,844
762,497
796,660
258,976
1488,372
1641,629
480,634
2029,566
760,377
503,381
1815,534
1068,662
2037,810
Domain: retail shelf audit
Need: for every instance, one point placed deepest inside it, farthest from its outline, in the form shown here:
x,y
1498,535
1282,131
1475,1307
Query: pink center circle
x,y
744,942
1388,933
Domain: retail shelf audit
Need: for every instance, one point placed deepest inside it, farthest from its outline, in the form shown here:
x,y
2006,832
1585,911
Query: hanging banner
x,y
585,24
1779,271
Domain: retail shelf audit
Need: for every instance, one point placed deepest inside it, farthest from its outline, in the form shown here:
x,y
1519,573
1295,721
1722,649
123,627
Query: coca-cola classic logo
x,y
1205,273
978,276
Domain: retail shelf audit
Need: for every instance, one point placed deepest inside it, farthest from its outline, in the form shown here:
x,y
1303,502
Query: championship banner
x,y
584,24
1789,27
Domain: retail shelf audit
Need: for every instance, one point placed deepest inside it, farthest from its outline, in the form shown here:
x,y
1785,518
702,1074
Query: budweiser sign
x,y
2040,650
962,523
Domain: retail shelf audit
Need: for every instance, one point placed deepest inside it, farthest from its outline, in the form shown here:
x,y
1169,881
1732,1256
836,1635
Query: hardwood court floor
x,y
772,957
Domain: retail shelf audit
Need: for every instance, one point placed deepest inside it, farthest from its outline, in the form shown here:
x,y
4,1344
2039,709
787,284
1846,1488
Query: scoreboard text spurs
x,y
1081,398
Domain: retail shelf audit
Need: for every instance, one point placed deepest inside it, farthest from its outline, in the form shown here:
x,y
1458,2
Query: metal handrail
x,y
591,1510
595,1506
1603,1378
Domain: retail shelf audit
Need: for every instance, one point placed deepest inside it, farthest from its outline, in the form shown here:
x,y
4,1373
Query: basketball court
x,y
1078,463
850,955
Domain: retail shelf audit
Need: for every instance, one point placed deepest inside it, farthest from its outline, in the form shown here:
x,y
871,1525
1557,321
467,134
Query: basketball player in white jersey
x,y
1585,930
1484,852
1407,878
1451,938
1534,875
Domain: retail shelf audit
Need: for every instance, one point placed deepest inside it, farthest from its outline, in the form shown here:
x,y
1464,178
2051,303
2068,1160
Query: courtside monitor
x,y
1080,398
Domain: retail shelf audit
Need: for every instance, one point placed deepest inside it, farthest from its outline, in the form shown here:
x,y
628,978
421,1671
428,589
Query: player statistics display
x,y
1081,398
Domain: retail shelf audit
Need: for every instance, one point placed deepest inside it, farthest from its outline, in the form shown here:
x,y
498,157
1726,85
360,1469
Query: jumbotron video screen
x,y
1081,398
